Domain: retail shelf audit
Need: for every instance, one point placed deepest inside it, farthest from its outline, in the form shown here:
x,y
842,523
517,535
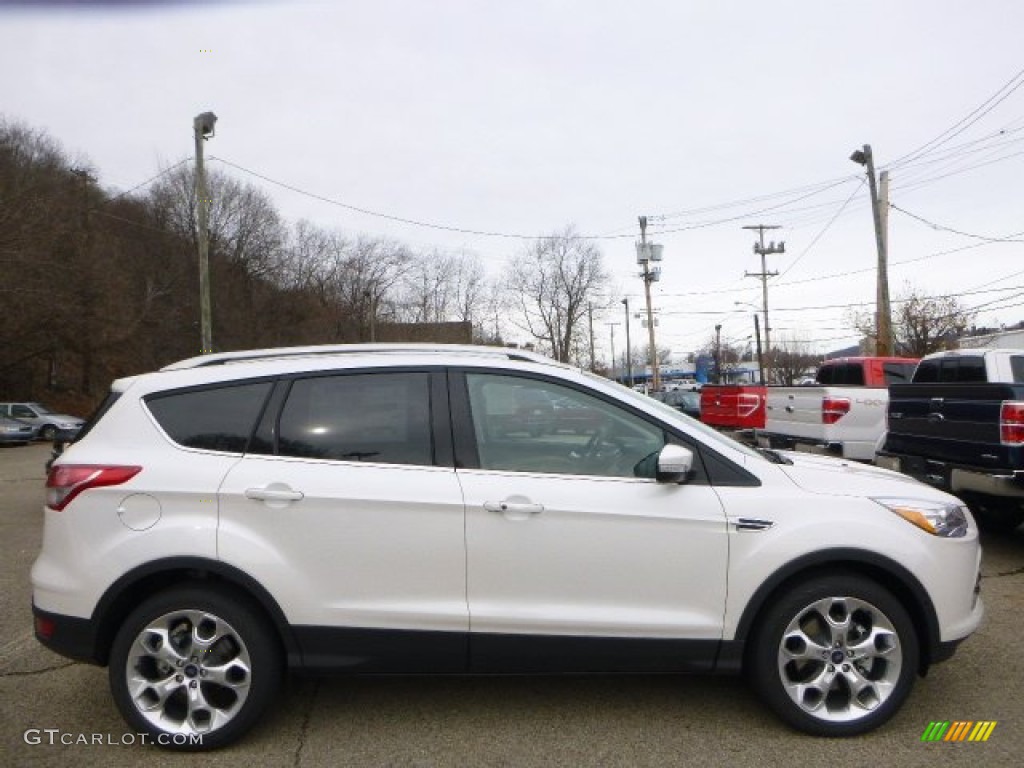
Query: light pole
x,y
883,315
629,348
202,127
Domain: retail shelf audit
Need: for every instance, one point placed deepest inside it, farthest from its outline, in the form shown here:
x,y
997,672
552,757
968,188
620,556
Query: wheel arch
x,y
125,594
885,572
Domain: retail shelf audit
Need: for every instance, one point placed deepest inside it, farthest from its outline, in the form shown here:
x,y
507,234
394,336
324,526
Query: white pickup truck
x,y
843,414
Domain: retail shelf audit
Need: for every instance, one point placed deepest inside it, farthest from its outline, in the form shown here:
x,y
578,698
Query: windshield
x,y
40,408
670,414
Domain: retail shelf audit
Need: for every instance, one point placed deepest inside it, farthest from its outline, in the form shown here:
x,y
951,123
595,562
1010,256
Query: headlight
x,y
946,520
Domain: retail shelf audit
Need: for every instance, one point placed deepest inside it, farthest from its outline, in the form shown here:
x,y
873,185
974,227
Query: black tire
x,y
998,515
825,685
211,633
48,432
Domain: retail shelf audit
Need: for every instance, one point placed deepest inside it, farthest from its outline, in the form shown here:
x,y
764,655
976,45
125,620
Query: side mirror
x,y
674,464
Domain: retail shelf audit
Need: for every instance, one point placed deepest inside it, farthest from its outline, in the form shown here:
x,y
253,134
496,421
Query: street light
x,y
202,127
757,337
883,316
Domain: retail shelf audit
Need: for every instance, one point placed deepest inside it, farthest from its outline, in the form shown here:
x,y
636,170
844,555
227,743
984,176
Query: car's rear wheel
x,y
194,667
836,656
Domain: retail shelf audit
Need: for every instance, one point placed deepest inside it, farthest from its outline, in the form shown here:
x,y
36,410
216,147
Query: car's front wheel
x,y
836,656
194,667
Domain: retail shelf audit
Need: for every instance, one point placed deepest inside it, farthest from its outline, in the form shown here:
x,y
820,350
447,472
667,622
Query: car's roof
x,y
256,363
326,350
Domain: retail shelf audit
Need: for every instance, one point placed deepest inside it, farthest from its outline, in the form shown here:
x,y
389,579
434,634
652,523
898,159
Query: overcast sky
x,y
524,117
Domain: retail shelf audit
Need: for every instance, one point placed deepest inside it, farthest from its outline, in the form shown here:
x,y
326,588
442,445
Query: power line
x,y
150,180
933,225
964,123
402,219
825,229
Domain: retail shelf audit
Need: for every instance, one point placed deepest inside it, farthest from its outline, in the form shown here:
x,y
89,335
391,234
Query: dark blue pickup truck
x,y
960,426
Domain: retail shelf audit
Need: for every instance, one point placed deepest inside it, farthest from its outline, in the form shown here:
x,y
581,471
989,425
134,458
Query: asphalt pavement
x,y
57,712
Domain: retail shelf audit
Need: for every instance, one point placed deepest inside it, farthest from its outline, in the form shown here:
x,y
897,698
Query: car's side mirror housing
x,y
675,463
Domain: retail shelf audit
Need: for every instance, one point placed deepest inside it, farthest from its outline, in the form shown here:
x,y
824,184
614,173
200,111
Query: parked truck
x,y
843,414
733,406
959,425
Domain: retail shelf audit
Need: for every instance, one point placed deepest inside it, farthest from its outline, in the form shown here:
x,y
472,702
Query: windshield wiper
x,y
774,456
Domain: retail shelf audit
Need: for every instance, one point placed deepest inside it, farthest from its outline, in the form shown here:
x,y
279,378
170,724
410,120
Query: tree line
x,y
99,285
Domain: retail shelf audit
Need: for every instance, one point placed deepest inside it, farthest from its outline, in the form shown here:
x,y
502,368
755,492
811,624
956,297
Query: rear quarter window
x,y
217,418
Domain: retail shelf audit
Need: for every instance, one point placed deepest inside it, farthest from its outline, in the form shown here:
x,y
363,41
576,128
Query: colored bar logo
x,y
959,730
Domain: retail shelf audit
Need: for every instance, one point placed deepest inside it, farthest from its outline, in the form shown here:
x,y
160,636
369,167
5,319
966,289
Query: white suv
x,y
394,509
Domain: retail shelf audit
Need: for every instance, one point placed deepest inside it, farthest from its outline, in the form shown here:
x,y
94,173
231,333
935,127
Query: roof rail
x,y
469,350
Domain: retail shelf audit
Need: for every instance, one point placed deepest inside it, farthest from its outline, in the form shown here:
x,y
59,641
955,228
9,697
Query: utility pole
x,y
202,127
629,348
718,354
612,371
883,313
760,356
646,253
590,320
763,250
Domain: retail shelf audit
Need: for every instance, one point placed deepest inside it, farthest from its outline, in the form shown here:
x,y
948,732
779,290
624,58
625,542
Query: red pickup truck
x,y
733,406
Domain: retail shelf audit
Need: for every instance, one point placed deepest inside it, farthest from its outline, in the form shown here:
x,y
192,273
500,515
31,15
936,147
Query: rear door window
x,y
374,417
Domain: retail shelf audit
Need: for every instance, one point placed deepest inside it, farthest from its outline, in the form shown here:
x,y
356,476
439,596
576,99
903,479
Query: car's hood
x,y
842,477
65,417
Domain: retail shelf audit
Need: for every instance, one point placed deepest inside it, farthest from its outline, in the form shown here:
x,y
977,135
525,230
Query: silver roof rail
x,y
469,350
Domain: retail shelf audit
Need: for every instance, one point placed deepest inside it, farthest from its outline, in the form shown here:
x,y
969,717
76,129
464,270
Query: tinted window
x,y
1017,368
971,370
841,375
217,418
927,371
528,425
376,417
897,373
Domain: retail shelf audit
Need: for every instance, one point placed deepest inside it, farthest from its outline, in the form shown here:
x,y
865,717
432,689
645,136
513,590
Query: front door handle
x,y
514,508
275,492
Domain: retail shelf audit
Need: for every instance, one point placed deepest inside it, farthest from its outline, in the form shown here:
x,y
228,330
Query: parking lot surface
x,y
57,712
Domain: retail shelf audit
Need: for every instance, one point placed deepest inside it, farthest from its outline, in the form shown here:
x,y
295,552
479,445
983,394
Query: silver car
x,y
14,432
48,425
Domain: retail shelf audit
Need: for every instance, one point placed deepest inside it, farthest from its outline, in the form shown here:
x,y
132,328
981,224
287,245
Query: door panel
x,y
346,516
573,541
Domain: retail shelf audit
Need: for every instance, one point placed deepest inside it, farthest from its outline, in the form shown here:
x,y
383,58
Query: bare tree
x,y
921,323
550,285
791,360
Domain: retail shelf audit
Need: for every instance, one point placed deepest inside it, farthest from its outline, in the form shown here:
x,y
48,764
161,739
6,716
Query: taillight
x,y
746,404
1011,422
66,481
833,409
